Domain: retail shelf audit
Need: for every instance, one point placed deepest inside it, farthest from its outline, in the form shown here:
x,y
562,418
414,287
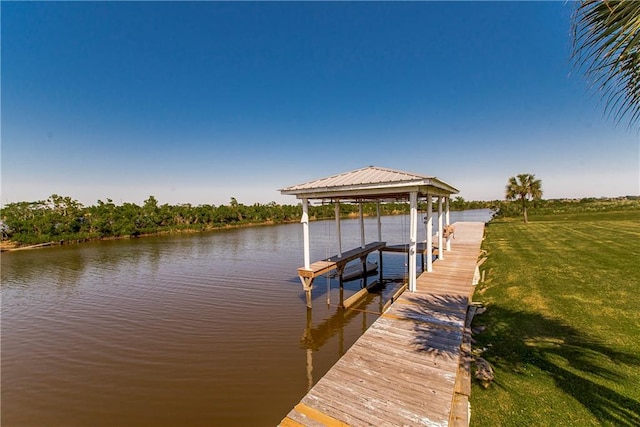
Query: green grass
x,y
563,321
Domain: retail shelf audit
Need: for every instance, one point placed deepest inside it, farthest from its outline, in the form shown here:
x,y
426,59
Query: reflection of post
x,y
309,369
307,335
328,291
307,339
341,337
364,321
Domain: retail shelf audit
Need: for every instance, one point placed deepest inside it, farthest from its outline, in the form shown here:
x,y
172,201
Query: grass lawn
x,y
563,321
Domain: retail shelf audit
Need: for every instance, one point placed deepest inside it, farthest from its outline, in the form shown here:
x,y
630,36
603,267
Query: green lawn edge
x,y
562,321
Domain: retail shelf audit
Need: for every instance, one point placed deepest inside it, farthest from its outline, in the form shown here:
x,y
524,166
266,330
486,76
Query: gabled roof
x,y
371,182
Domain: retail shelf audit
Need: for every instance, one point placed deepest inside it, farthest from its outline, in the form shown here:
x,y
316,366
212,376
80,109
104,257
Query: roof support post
x,y
305,232
338,234
447,222
429,226
413,239
362,241
379,222
440,248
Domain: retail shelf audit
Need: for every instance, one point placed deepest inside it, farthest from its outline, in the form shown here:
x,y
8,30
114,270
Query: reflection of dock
x,y
406,368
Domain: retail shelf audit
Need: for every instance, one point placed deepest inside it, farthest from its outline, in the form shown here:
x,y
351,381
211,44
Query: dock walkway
x,y
403,371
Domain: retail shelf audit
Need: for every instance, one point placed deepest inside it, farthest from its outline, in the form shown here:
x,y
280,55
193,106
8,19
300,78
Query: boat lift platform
x,y
335,262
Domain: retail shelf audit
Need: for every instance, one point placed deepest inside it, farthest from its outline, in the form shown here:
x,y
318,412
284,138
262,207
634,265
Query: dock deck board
x,y
405,369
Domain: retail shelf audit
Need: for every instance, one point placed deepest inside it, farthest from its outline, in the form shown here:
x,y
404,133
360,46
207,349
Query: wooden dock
x,y
409,367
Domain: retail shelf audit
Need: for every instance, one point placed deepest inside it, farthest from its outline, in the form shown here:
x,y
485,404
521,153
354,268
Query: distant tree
x,y
458,203
606,43
525,187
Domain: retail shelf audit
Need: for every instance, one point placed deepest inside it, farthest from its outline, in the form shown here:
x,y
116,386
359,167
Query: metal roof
x,y
370,182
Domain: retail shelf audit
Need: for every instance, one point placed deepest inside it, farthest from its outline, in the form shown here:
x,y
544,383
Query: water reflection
x,y
174,330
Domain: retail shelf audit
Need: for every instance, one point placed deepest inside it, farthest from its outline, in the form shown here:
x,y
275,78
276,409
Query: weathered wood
x,y
420,247
459,411
355,298
410,367
463,379
320,267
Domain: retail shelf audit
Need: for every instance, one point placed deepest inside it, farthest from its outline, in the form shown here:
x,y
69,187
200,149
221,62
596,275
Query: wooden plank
x,y
352,254
290,422
355,297
320,267
463,378
459,411
319,416
363,408
408,399
411,373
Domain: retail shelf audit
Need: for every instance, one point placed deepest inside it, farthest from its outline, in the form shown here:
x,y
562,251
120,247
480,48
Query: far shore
x,y
11,246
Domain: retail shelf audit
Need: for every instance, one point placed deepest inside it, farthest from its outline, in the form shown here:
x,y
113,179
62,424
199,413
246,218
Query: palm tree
x,y
606,44
524,187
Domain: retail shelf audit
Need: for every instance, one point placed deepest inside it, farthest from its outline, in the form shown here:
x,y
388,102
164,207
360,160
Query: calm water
x,y
200,329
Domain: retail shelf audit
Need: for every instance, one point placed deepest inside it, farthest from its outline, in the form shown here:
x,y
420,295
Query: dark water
x,y
200,329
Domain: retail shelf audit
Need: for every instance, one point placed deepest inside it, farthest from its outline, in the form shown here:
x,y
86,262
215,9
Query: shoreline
x,y
12,246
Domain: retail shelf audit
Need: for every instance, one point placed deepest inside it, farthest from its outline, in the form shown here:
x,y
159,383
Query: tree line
x,y
64,219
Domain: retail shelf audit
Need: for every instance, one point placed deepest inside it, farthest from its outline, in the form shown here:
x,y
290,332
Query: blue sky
x,y
199,102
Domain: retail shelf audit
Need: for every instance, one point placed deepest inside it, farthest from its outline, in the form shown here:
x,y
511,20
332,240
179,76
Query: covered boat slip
x,y
379,185
410,367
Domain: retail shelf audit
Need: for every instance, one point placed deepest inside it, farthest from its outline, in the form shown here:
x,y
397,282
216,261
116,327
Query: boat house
x,y
378,185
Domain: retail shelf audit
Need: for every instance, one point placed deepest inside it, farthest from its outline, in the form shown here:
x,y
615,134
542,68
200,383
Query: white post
x,y
379,222
362,241
337,209
446,220
440,248
413,239
429,233
305,232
